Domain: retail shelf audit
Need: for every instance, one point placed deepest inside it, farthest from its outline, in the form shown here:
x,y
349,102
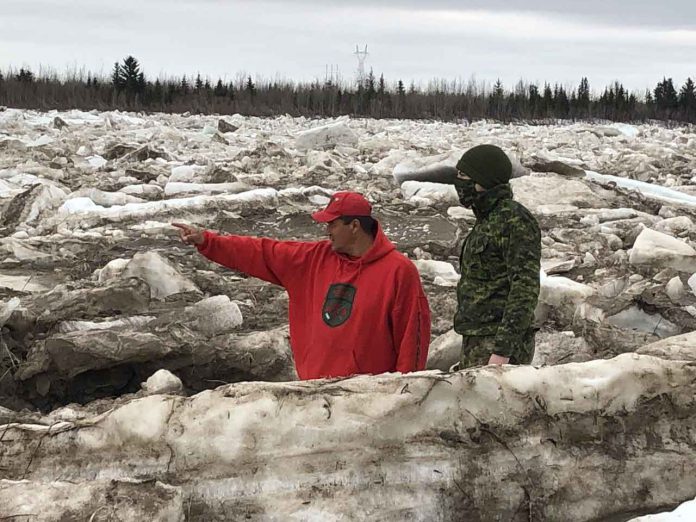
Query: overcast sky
x,y
557,41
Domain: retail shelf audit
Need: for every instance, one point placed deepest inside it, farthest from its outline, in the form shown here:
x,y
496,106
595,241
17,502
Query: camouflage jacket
x,y
500,261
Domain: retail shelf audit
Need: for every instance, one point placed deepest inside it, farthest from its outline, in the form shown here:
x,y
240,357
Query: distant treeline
x,y
129,89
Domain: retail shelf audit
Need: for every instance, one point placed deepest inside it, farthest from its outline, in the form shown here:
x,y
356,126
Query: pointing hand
x,y
190,235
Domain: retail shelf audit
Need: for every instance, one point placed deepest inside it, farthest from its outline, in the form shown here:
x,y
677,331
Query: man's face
x,y
478,187
341,235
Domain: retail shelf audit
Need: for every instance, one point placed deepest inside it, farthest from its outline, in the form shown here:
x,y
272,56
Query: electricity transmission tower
x,y
362,56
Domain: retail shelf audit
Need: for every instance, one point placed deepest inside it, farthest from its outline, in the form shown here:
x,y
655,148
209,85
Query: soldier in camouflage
x,y
500,262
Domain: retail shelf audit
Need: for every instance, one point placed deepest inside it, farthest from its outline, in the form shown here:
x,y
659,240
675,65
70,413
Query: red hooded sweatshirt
x,y
347,316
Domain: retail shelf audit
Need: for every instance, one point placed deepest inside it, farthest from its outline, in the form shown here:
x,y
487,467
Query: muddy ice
x,y
97,296
519,443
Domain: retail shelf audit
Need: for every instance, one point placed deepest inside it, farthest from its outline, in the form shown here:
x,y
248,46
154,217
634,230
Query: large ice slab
x,y
392,446
649,190
85,207
659,250
326,136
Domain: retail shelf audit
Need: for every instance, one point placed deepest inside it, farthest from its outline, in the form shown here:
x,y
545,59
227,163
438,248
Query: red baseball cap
x,y
344,204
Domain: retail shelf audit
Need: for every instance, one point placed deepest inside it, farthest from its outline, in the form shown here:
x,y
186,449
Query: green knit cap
x,y
487,165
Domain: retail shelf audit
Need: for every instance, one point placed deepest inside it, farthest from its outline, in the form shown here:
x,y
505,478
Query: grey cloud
x,y
666,14
297,39
56,12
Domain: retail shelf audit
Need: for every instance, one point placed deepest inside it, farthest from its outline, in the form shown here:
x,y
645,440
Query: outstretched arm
x,y
278,262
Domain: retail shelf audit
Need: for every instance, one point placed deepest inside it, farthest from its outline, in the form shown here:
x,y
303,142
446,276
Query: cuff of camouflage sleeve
x,y
506,345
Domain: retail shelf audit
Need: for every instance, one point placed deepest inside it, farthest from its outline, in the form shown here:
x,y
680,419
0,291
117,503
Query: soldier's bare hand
x,y
189,234
498,359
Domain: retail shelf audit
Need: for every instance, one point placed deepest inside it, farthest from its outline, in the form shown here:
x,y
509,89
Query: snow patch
x,y
163,382
558,291
430,193
174,188
96,161
440,271
326,136
162,277
214,315
187,174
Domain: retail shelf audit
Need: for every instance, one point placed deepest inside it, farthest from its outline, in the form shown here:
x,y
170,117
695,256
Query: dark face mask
x,y
466,190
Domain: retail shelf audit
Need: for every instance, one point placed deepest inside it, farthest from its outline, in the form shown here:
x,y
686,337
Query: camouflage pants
x,y
477,350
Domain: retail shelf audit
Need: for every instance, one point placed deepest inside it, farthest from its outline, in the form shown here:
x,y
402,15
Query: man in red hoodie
x,y
356,304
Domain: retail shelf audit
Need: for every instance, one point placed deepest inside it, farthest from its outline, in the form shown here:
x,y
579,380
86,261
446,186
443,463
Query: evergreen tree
x,y
606,100
184,85
400,97
498,91
367,93
561,102
666,99
25,76
116,77
496,100
671,98
132,79
547,100
649,100
583,98
687,101
535,101
400,90
310,99
573,113
383,96
631,105
158,92
141,84
370,84
339,98
620,101
250,87
199,83
220,90
170,92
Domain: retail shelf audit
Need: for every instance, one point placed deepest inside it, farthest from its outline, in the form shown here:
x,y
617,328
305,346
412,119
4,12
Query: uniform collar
x,y
485,201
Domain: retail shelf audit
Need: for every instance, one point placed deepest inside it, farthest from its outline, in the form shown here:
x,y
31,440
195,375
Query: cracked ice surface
x,y
615,205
